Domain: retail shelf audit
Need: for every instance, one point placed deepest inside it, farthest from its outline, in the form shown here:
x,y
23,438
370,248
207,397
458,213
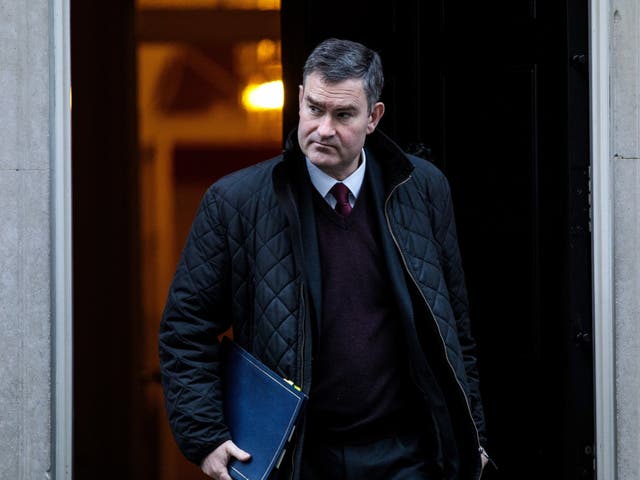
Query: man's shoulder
x,y
245,182
424,166
248,176
428,174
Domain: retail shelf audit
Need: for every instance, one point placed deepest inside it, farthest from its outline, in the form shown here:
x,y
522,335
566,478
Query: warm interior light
x,y
264,96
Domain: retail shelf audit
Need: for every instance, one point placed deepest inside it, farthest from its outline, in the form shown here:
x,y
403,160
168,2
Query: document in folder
x,y
261,410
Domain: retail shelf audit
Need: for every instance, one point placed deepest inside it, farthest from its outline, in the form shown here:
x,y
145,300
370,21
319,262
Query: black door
x,y
496,94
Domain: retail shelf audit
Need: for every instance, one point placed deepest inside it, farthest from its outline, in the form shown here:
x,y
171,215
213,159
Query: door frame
x,y
61,235
602,237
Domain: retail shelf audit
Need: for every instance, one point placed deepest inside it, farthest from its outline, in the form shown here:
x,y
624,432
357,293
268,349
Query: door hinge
x,y
580,203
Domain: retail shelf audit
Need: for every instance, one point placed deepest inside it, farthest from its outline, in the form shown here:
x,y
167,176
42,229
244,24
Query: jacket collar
x,y
394,164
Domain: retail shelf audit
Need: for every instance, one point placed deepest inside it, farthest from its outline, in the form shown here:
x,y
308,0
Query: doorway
x,y
163,106
494,94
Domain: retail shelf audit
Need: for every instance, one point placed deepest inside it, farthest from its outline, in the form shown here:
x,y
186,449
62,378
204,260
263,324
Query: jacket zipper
x,y
415,282
302,352
303,320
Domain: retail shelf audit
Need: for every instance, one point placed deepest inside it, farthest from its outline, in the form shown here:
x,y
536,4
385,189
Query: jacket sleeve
x,y
454,277
196,312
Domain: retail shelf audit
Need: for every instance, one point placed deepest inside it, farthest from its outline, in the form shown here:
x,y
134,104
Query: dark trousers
x,y
402,457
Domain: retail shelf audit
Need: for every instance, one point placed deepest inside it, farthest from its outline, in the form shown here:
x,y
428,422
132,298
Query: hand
x,y
215,464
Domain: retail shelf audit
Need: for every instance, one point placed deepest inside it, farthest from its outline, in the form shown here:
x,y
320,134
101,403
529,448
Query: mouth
x,y
324,146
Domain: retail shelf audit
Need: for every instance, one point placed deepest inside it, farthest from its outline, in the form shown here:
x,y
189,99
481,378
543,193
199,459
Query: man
x,y
337,265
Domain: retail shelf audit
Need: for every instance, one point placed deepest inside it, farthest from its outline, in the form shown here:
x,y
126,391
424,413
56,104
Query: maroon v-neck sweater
x,y
361,387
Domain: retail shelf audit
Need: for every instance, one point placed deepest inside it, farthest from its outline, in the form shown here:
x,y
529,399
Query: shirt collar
x,y
324,182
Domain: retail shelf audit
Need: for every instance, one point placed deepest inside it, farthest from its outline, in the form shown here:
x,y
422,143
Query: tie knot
x,y
341,193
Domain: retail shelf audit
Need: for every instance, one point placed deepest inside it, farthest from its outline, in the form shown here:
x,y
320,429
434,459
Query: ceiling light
x,y
264,96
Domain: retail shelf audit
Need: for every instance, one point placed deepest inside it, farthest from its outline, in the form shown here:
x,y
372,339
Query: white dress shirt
x,y
324,182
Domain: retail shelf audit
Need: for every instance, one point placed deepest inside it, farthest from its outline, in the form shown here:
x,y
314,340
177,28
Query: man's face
x,y
334,122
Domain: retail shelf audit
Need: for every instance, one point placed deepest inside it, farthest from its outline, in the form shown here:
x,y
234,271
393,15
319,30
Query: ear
x,y
374,117
300,95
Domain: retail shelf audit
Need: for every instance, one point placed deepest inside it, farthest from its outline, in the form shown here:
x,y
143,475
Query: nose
x,y
326,128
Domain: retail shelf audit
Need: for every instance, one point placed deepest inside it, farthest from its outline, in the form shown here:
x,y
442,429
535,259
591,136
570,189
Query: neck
x,y
341,174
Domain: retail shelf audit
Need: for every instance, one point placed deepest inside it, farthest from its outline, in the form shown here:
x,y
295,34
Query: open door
x,y
496,95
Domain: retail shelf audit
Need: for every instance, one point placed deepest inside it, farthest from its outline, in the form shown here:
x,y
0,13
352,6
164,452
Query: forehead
x,y
349,92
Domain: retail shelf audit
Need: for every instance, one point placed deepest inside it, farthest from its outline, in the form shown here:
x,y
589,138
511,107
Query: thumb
x,y
236,452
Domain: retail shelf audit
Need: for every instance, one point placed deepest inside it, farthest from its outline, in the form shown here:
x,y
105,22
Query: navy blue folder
x,y
261,410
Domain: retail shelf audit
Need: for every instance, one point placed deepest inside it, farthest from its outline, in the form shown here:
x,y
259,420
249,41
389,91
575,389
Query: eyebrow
x,y
317,103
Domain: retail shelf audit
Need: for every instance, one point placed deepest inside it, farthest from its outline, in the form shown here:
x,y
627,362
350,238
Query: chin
x,y
323,160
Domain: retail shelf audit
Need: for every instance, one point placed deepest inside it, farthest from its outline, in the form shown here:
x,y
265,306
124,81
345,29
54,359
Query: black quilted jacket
x,y
251,262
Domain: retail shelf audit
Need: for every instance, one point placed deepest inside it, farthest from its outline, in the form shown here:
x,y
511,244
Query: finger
x,y
237,452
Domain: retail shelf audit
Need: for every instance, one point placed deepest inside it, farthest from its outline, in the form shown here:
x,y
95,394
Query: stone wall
x,y
625,148
25,286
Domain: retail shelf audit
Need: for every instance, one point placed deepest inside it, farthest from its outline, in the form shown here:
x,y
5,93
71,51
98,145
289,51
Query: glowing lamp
x,y
264,96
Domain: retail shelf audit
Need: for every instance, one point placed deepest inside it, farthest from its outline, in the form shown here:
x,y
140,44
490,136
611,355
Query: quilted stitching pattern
x,y
238,268
422,255
264,278
429,241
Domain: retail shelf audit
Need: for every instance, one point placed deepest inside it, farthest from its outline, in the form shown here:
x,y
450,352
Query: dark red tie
x,y
341,193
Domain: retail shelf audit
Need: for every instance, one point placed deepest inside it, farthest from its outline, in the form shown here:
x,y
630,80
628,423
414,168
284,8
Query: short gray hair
x,y
339,60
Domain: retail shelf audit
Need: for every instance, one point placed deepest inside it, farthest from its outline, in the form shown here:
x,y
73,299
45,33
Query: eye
x,y
345,115
313,109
